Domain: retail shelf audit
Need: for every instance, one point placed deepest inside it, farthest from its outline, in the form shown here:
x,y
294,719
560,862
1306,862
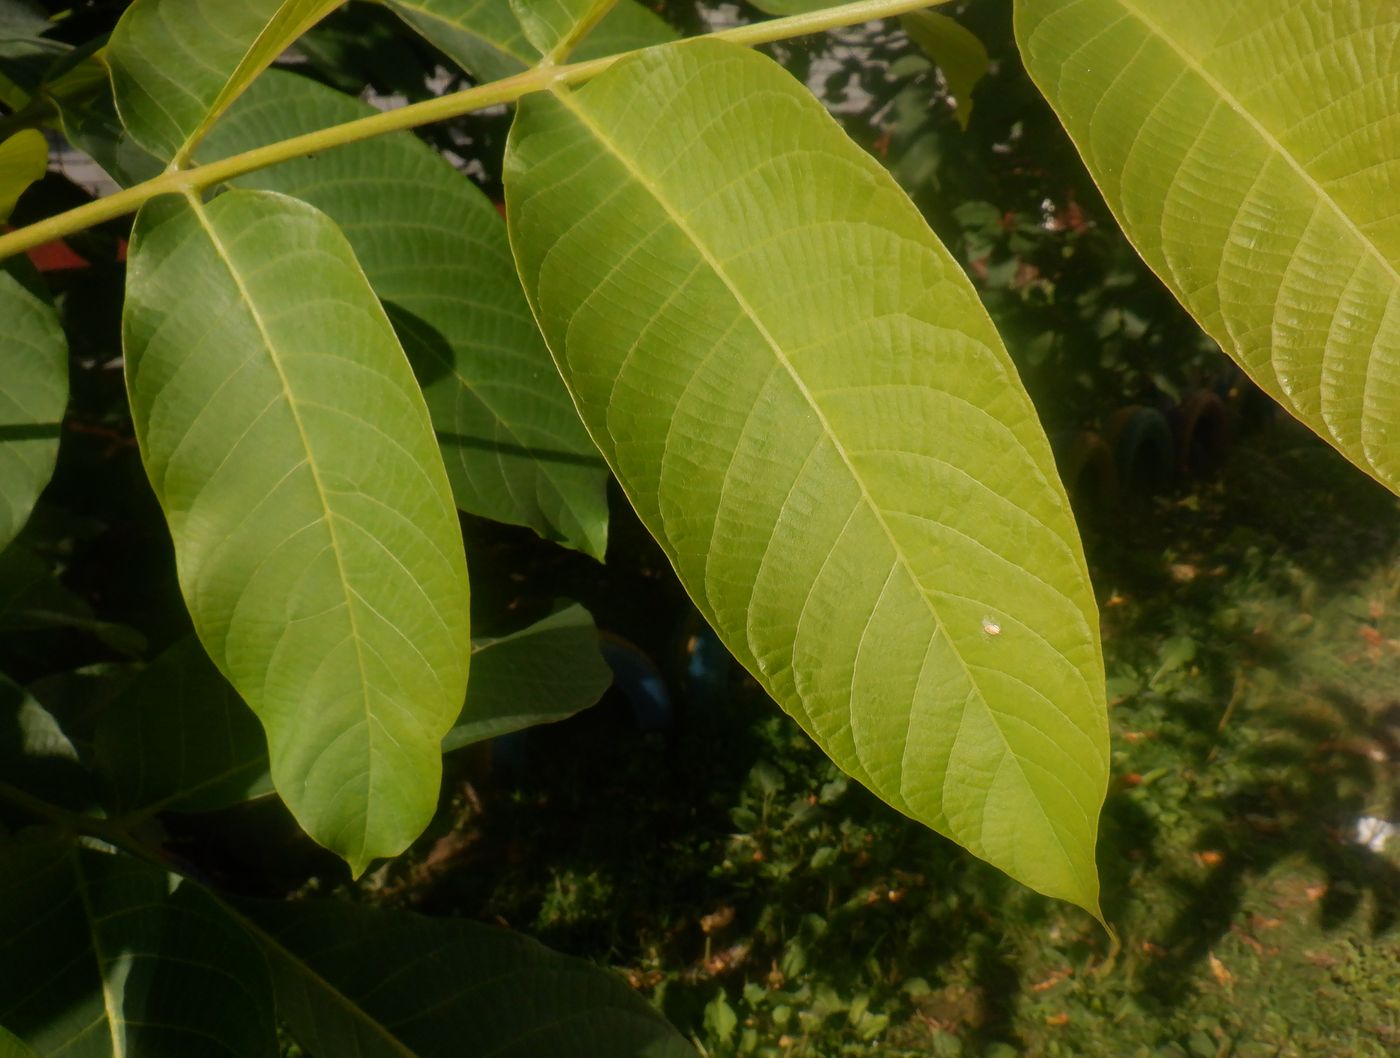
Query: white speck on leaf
x,y
991,627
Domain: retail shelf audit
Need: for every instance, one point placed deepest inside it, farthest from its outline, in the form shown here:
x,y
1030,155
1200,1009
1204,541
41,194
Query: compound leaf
x,y
801,395
315,537
1251,152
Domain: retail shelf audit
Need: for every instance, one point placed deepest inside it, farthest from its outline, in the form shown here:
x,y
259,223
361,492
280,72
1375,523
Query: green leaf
x,y
34,366
23,159
12,1046
541,674
36,756
456,988
801,395
178,64
435,251
486,39
957,52
553,27
108,957
317,546
21,18
1248,150
179,738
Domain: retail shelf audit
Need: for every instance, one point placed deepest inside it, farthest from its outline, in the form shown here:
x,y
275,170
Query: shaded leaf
x,y
35,754
1251,152
178,738
456,988
486,39
435,251
178,64
12,1046
813,414
315,538
34,366
23,159
22,18
541,674
956,51
105,956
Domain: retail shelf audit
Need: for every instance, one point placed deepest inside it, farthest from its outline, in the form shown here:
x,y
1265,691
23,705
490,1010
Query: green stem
x,y
507,90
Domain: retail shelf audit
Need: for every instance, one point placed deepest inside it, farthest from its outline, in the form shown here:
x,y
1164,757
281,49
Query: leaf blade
x,y
458,987
316,541
789,480
1257,190
436,254
34,364
177,65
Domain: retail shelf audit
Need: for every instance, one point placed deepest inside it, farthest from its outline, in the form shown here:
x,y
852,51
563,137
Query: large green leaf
x,y
34,367
544,673
435,251
179,738
486,38
383,984
1251,151
804,400
317,544
178,64
103,956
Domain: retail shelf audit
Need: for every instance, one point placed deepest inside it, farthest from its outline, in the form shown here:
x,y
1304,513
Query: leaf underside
x,y
435,251
1251,152
316,541
804,400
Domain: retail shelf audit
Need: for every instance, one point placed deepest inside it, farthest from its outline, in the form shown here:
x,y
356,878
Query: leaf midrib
x,y
1270,140
321,493
564,95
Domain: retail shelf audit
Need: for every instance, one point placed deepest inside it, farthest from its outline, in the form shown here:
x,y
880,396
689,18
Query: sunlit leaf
x,y
485,36
179,738
23,159
317,545
956,51
107,957
178,64
1251,151
456,988
435,251
552,26
798,389
34,367
541,674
